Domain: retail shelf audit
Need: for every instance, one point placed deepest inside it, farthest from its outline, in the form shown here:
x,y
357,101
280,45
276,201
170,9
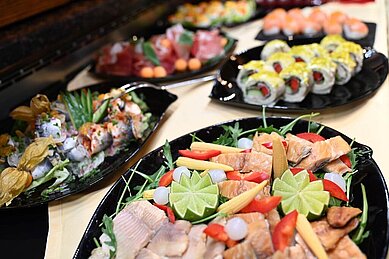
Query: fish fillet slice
x,y
257,162
235,160
339,147
260,238
337,166
320,155
241,250
232,188
298,148
197,238
346,249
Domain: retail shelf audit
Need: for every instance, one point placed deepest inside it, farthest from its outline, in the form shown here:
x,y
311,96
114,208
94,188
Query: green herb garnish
x,y
108,230
360,233
149,53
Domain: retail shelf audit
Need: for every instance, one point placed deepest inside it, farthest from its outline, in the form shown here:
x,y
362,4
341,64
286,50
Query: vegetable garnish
x,y
201,165
361,232
166,179
284,231
312,137
256,177
334,190
263,205
200,155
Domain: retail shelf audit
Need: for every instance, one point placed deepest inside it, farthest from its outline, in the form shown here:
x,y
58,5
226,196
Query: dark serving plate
x,y
365,42
375,246
208,66
362,85
158,102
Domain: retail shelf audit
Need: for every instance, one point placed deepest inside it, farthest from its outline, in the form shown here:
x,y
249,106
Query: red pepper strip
x,y
168,210
246,151
264,90
294,84
269,145
277,67
312,137
217,232
199,155
166,179
346,160
256,177
284,231
334,190
263,205
296,170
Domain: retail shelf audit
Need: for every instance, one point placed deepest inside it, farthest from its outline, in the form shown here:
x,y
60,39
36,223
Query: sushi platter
x,y
239,85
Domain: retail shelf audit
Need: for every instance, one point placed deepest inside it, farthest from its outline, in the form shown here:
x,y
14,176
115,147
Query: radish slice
x,y
236,228
337,179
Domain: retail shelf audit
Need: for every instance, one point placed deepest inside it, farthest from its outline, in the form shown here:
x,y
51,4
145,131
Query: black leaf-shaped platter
x,y
375,246
157,100
362,85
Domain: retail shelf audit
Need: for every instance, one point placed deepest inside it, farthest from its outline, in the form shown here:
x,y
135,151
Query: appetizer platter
x,y
215,13
315,23
299,77
315,192
64,142
176,54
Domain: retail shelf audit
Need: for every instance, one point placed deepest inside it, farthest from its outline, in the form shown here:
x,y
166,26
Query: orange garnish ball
x,y
223,42
194,64
160,71
181,64
147,72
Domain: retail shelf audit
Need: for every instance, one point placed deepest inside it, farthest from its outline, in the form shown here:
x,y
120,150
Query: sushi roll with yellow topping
x,y
302,53
272,47
279,61
248,69
323,73
345,66
298,81
318,50
263,88
331,42
355,51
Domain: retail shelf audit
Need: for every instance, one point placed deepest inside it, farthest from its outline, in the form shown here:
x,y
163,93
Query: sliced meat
x,y
260,139
183,225
250,217
339,216
232,188
320,155
170,240
257,162
339,147
214,249
242,250
116,59
337,166
153,217
99,253
307,251
235,160
206,45
346,249
173,34
260,238
330,236
147,254
273,217
298,148
165,52
292,252
197,238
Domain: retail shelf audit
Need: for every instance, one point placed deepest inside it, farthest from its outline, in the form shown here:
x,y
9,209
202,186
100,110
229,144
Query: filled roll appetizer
x,y
54,143
268,193
314,21
176,51
214,13
308,68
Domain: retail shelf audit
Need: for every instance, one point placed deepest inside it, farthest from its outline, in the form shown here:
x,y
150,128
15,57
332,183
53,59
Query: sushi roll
x,y
291,26
345,66
332,27
310,27
354,29
356,52
273,47
323,73
331,42
263,88
271,25
338,17
318,16
302,53
249,69
318,50
279,61
298,82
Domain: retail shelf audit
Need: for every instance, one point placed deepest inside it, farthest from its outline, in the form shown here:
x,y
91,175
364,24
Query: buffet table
x,y
365,120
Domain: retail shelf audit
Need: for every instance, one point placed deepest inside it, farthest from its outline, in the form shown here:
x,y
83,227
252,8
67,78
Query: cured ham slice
x,y
298,148
139,60
116,59
173,34
165,52
206,45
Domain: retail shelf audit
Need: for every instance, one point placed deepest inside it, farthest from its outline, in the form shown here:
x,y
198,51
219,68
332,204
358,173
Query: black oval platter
x,y
375,246
209,65
362,85
158,102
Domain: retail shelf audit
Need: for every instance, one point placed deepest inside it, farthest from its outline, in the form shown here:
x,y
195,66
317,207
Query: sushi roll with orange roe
x,y
271,25
318,16
332,27
310,27
354,29
296,14
291,26
279,13
339,17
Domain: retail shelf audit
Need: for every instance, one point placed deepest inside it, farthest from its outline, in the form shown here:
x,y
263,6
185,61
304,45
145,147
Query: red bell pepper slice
x,y
199,155
346,160
263,205
269,145
312,137
217,232
277,67
256,177
246,151
166,179
294,84
297,170
264,90
284,231
168,210
334,190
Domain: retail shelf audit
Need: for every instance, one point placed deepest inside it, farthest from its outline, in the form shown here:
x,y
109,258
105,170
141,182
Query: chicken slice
x,y
214,249
197,238
242,250
339,216
346,249
260,238
273,217
147,254
298,148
